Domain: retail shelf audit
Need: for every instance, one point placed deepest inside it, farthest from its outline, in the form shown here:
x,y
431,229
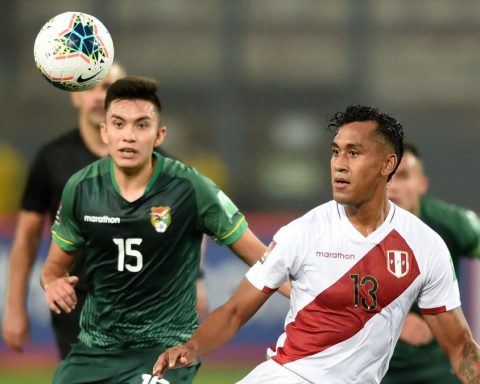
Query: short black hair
x,y
134,88
388,126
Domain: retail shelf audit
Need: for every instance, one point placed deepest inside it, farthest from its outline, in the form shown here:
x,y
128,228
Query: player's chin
x,y
127,164
341,197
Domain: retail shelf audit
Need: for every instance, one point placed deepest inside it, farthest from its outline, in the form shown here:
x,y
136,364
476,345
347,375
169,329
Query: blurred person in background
x,y
418,358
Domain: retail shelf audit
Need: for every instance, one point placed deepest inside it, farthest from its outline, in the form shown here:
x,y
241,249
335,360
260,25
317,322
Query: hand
x,y
416,331
60,294
176,357
15,328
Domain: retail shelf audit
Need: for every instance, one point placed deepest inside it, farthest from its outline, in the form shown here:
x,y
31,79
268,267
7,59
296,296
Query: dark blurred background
x,y
247,85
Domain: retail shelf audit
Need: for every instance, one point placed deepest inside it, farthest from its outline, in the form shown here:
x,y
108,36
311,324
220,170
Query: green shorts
x,y
86,365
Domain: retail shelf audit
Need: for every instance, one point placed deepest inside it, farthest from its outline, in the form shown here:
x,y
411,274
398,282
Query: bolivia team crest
x,y
398,263
160,218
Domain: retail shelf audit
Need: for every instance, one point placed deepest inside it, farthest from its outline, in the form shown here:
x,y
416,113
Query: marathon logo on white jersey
x,y
101,219
335,255
398,263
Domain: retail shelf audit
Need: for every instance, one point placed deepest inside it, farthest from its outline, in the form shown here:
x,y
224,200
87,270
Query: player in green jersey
x,y
418,358
140,217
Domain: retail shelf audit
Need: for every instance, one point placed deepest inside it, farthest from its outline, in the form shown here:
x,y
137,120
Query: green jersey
x,y
142,257
460,229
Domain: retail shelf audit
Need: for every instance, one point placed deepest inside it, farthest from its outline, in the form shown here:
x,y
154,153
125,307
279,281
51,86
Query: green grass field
x,y
207,375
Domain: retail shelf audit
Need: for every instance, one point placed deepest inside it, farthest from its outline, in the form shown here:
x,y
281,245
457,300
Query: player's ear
x,y
389,164
423,185
103,132
161,133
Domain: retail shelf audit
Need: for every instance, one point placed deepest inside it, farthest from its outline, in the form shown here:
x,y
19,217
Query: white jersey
x,y
351,293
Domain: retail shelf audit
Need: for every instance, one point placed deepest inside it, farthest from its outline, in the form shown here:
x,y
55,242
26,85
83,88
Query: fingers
x,y
72,280
60,294
15,329
14,341
175,357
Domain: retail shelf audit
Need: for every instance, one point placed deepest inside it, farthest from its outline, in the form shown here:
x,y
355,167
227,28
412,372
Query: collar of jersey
x,y
379,232
156,171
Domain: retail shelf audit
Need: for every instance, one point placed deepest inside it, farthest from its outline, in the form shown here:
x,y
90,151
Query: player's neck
x,y
91,137
369,216
132,182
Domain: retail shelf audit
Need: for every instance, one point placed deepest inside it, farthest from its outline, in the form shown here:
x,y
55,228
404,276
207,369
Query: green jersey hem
x,y
65,244
232,236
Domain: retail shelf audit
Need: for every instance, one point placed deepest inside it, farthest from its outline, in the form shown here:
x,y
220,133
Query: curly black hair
x,y
388,126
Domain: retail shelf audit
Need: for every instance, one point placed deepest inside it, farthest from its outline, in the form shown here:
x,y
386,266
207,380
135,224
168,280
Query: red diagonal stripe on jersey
x,y
332,318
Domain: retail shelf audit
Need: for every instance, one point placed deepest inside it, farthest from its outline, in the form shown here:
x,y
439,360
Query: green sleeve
x,y
218,216
458,227
475,224
66,230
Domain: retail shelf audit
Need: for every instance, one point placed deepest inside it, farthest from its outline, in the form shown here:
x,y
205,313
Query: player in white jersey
x,y
356,265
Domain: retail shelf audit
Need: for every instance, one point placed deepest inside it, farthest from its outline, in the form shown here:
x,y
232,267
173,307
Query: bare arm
x,y
250,249
58,285
15,328
218,328
454,336
415,331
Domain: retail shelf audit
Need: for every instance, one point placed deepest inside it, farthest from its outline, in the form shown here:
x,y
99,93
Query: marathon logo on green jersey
x,y
160,218
101,219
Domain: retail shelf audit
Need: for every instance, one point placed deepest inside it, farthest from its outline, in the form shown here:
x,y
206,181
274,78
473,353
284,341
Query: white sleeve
x,y
272,270
440,291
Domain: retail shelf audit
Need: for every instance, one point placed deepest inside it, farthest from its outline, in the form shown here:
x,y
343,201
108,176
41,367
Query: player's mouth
x,y
127,153
340,182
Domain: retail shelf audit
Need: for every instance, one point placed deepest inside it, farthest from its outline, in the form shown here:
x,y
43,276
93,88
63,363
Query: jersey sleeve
x,y
459,227
474,224
273,269
218,215
440,292
65,229
38,190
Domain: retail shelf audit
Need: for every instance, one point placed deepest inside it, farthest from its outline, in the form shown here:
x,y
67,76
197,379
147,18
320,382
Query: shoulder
x,y
408,222
62,147
459,227
177,169
69,138
450,215
417,233
312,223
97,168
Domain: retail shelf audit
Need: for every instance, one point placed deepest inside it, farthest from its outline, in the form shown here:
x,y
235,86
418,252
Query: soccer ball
x,y
73,51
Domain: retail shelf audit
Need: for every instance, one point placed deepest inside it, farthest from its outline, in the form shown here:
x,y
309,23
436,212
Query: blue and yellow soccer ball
x,y
73,51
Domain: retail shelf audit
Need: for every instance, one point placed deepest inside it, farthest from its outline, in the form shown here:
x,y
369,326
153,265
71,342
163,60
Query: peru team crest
x,y
160,218
398,262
